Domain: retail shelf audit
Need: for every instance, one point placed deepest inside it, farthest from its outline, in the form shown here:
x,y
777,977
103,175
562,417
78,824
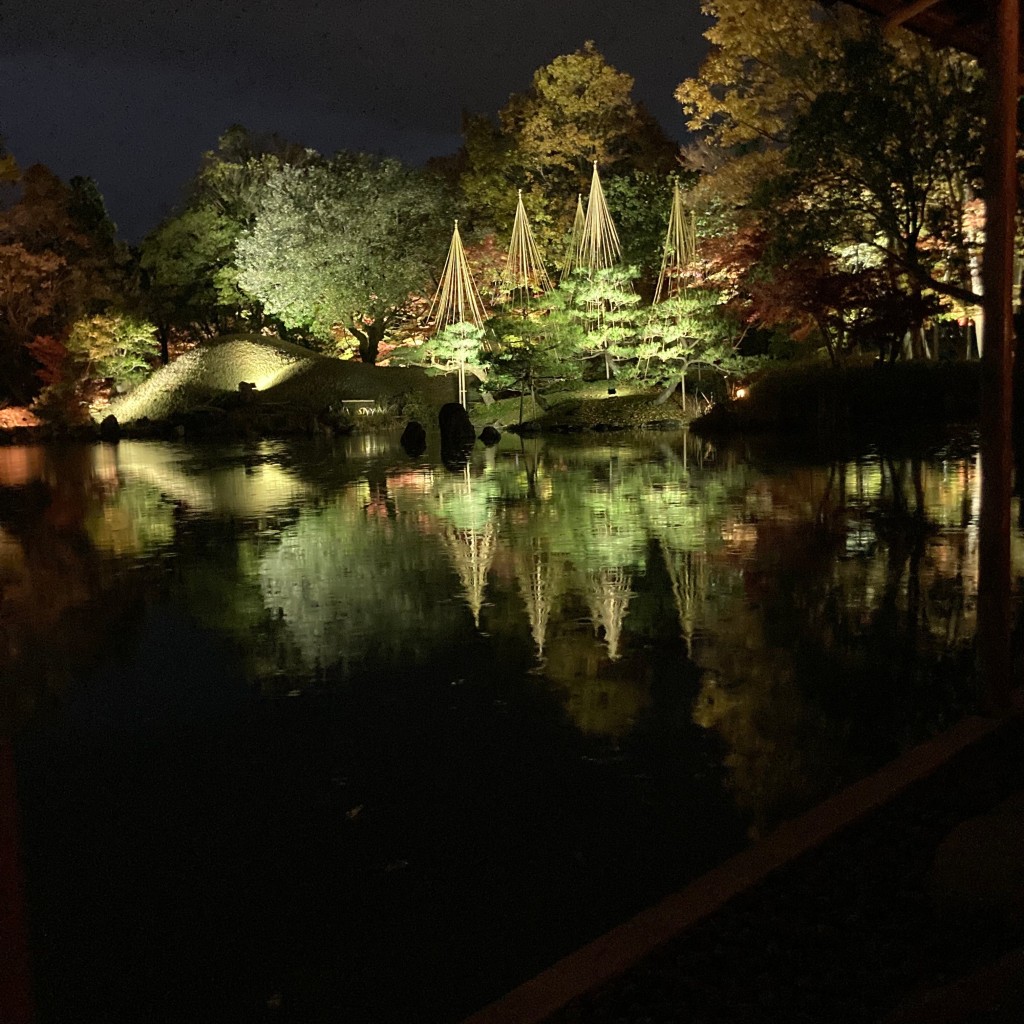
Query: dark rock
x,y
414,438
110,429
455,424
528,429
490,435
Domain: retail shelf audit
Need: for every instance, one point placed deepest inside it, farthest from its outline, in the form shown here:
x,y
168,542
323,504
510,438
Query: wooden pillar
x,y
994,618
15,984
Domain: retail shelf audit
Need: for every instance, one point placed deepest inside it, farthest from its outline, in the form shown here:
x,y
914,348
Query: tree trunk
x,y
369,339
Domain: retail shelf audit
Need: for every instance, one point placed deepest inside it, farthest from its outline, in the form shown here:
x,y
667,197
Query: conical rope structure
x,y
599,246
610,591
679,249
525,273
571,260
472,552
539,589
457,300
688,571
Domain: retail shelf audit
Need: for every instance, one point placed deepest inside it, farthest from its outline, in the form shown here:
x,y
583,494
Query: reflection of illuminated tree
x,y
602,697
688,572
539,586
608,593
780,756
351,586
472,552
135,519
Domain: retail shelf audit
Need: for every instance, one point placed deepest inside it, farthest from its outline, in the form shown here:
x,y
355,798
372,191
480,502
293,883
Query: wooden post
x,y
15,981
994,618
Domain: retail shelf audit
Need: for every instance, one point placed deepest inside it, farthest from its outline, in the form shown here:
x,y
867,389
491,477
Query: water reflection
x,y
647,631
320,562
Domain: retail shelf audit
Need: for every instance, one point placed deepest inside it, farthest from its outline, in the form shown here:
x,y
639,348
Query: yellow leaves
x,y
763,66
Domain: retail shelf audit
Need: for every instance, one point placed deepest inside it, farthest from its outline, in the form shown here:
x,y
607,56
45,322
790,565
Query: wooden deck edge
x,y
615,952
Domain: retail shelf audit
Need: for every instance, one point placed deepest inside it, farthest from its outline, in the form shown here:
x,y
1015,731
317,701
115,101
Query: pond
x,y
326,732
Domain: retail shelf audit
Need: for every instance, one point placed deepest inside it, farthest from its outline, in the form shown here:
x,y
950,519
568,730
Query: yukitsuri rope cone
x,y
680,245
571,260
457,300
538,584
609,594
599,247
524,274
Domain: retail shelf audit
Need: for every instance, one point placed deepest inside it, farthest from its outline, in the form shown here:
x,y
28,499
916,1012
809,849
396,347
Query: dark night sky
x,y
132,92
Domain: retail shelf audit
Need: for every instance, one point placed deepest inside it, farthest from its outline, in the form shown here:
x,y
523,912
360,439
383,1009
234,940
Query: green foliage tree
x,y
693,327
598,311
849,155
188,261
343,244
530,354
639,204
887,157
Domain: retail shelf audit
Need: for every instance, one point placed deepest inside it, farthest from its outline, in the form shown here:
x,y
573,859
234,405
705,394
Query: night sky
x,y
132,92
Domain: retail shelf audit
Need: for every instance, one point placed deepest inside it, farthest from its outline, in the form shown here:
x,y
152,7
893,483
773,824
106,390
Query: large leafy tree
x,y
856,158
765,67
578,109
188,261
887,157
344,243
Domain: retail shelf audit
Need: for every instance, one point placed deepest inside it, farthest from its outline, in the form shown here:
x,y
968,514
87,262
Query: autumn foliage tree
x,y
856,156
59,261
578,109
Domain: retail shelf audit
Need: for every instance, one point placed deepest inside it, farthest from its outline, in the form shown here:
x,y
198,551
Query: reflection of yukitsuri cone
x,y
537,584
609,595
472,552
688,572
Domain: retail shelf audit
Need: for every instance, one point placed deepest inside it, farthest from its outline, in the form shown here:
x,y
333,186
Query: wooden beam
x,y
904,14
994,590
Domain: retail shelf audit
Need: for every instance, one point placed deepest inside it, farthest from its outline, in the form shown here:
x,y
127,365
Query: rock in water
x,y
414,438
455,425
490,435
110,429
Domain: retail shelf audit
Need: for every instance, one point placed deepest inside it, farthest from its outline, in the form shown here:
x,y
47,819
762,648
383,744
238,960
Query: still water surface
x,y
329,733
